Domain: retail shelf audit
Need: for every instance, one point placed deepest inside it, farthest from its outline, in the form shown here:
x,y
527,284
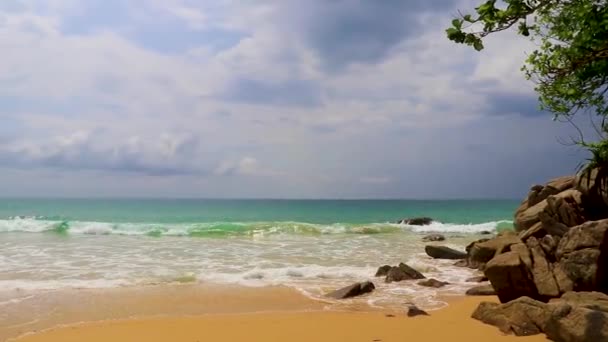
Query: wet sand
x,y
308,321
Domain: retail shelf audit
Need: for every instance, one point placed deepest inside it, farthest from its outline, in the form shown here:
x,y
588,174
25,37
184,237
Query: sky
x,y
265,99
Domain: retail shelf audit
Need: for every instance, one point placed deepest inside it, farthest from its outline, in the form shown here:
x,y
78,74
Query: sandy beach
x,y
306,322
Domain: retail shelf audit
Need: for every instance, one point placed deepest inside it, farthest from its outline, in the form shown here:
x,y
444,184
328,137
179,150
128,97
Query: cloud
x,y
287,93
265,99
168,155
344,32
246,166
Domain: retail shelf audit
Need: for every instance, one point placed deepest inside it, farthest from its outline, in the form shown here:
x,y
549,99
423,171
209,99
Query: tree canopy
x,y
570,65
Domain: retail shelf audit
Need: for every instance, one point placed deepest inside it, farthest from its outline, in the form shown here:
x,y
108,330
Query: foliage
x,y
570,64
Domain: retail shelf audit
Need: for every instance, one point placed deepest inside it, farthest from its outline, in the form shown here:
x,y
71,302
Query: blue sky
x,y
266,98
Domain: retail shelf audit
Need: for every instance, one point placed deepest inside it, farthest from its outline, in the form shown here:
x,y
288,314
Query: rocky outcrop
x,y
433,237
546,268
353,290
402,272
554,215
417,221
482,290
573,318
433,283
443,252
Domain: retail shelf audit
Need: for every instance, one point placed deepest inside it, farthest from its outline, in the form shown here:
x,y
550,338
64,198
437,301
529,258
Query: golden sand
x,y
450,324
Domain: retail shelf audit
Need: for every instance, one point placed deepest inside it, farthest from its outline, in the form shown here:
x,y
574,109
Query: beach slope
x,y
450,324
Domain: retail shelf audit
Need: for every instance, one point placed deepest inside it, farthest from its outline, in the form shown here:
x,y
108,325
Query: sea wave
x,y
226,229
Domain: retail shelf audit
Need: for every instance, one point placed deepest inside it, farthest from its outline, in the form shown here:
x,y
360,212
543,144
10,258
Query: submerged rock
x,y
433,237
353,290
443,252
433,283
417,221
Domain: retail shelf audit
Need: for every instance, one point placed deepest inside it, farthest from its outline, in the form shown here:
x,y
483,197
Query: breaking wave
x,y
227,229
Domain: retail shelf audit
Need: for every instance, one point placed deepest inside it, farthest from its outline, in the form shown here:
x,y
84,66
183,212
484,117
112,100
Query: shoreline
x,y
450,323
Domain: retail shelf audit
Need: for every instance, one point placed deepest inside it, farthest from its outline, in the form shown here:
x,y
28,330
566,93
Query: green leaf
x,y
478,45
457,23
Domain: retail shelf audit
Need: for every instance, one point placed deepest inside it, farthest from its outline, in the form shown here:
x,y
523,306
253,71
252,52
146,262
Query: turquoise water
x,y
310,211
311,245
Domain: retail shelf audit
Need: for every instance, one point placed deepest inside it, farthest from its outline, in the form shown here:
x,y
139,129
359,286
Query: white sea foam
x,y
257,229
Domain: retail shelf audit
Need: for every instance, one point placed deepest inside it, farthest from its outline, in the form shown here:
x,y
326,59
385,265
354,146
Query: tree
x,y
570,65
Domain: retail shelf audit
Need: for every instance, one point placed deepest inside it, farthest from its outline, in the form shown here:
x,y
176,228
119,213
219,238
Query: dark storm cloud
x,y
287,93
360,31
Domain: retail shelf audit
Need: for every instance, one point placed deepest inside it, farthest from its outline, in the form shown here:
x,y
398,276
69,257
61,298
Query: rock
x,y
581,258
484,251
510,277
433,237
579,324
553,215
462,263
478,279
383,271
353,290
413,311
541,270
482,290
402,272
570,319
485,232
417,221
549,245
590,300
522,317
433,283
442,252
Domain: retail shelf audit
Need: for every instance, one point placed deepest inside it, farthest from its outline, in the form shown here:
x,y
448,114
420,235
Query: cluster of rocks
x,y
555,260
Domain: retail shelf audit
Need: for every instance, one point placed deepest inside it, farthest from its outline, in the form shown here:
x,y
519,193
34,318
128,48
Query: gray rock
x,y
417,221
403,272
443,252
353,290
413,311
383,271
510,276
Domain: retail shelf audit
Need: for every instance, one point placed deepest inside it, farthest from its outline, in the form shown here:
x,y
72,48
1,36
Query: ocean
x,y
311,245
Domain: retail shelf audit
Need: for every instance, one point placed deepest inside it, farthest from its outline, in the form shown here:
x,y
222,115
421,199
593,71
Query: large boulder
x,y
353,290
553,215
537,194
582,258
573,318
548,267
509,274
402,272
483,251
522,317
443,252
